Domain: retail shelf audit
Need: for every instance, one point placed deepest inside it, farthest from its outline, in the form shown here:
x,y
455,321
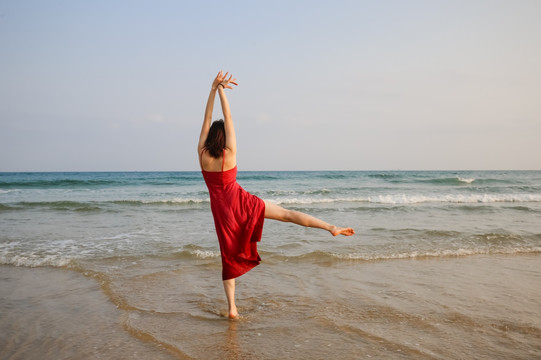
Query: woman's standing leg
x,y
275,212
229,287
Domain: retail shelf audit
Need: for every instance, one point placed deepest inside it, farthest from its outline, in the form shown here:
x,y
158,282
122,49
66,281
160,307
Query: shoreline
x,y
55,313
407,308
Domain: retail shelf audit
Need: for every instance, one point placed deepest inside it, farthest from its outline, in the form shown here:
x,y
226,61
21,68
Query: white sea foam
x,y
307,201
394,199
173,201
464,180
454,198
7,191
36,260
437,253
178,201
205,254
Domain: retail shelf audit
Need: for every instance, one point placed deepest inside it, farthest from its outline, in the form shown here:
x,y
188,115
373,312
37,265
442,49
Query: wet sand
x,y
49,313
441,308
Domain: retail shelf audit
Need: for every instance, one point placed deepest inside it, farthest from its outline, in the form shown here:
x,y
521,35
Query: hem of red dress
x,y
239,274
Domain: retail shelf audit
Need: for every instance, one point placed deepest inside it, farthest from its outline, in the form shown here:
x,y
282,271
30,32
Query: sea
x,y
443,265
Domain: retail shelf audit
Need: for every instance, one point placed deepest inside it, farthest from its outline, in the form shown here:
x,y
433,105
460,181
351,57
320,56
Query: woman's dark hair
x,y
215,143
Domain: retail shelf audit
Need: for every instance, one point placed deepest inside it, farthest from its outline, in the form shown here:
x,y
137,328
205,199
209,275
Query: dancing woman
x,y
238,215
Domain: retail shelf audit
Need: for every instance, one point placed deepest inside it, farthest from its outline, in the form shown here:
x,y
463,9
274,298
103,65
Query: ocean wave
x,y
386,176
195,252
82,180
246,175
524,209
317,192
453,198
204,254
332,176
403,199
301,199
4,207
456,198
37,261
57,205
57,183
322,256
8,191
72,262
96,205
464,180
284,193
407,177
457,180
437,253
175,201
426,244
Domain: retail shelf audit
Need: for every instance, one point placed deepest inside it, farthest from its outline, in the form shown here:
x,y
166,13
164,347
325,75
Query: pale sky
x,y
323,85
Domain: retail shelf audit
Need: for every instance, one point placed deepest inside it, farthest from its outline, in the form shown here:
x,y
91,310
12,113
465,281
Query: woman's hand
x,y
222,79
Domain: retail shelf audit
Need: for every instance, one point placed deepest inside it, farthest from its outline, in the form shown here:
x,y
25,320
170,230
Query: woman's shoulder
x,y
230,160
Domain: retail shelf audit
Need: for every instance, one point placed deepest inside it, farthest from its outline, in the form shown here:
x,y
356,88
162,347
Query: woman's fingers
x,y
218,79
225,81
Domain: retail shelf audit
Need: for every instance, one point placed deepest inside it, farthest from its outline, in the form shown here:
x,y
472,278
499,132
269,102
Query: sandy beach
x,y
454,308
49,313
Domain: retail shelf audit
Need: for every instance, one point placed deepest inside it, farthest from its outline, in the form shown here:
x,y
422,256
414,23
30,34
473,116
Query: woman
x,y
238,215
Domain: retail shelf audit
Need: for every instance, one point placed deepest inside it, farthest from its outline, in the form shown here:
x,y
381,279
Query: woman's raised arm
x,y
208,114
230,137
220,82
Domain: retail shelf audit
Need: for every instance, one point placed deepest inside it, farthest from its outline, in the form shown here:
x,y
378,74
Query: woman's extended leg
x,y
275,212
229,287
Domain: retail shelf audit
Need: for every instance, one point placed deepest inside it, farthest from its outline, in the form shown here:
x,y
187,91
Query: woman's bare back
x,y
212,164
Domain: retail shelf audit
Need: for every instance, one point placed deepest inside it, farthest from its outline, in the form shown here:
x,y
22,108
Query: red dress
x,y
238,217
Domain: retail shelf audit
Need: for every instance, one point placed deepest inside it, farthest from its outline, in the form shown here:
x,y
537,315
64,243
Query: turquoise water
x,y
69,219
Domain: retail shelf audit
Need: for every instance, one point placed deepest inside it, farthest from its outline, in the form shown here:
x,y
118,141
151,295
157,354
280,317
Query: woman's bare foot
x,y
341,231
233,314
